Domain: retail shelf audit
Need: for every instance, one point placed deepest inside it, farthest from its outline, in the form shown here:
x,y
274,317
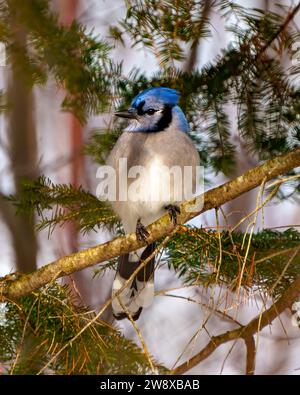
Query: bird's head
x,y
154,110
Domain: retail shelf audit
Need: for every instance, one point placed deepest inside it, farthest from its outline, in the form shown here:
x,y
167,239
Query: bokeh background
x,y
53,147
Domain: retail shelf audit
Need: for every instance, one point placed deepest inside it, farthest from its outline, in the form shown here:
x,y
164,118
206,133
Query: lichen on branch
x,y
213,198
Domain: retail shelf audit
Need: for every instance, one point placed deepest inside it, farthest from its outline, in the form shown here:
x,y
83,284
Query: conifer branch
x,y
281,29
245,332
24,284
192,60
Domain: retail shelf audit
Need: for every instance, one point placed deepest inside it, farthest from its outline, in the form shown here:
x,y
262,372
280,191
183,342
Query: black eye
x,y
151,111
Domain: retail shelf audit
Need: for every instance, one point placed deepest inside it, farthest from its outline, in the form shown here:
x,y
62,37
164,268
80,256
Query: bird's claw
x,y
173,210
141,231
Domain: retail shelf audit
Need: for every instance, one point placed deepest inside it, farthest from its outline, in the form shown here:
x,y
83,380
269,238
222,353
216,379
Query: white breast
x,y
152,190
148,194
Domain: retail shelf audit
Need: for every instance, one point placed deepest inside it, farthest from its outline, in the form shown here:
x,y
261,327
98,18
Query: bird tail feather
x,y
139,292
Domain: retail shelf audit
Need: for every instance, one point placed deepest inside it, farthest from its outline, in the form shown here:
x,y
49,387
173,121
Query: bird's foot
x,y
141,231
173,210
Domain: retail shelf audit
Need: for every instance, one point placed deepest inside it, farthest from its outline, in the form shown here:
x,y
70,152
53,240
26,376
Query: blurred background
x,y
37,137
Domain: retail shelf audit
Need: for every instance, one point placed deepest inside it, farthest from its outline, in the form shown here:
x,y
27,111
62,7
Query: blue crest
x,y
159,94
154,110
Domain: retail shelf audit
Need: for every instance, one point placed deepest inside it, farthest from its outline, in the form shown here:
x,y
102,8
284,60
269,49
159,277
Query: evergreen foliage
x,y
249,76
59,203
75,58
209,257
36,327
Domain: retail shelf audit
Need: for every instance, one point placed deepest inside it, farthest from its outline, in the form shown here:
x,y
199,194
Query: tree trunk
x,y
23,154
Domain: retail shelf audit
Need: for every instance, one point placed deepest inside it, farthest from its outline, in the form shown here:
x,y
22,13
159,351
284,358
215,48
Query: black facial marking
x,y
165,119
140,108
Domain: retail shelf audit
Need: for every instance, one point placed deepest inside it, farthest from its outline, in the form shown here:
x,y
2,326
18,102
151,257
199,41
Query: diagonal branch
x,y
281,29
246,332
213,198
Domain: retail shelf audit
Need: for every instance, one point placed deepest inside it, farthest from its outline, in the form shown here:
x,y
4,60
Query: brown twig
x,y
251,352
281,29
213,198
192,60
245,332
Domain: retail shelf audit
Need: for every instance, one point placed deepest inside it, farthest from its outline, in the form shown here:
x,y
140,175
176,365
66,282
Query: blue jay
x,y
156,136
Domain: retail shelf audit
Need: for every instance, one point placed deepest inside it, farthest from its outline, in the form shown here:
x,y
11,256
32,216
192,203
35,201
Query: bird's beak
x,y
126,114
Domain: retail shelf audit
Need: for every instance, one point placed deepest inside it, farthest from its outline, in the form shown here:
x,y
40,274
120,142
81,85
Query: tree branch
x,y
251,351
246,332
192,60
213,198
281,29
